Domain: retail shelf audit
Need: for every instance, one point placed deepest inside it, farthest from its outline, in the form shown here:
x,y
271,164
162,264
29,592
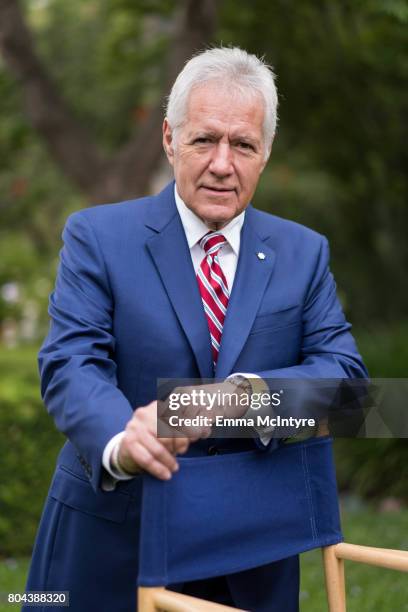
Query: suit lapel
x,y
171,255
251,279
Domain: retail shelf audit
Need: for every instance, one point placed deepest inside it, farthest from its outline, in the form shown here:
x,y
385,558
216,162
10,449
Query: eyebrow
x,y
203,132
213,134
246,138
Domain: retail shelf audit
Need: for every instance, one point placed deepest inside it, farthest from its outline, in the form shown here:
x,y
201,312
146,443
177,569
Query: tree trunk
x,y
129,172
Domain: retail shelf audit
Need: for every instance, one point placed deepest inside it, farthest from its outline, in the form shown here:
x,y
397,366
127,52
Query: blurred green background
x,y
82,88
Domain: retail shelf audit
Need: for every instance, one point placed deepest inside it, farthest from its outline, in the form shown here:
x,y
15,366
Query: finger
x,y
159,452
177,445
171,444
181,445
141,436
171,437
149,463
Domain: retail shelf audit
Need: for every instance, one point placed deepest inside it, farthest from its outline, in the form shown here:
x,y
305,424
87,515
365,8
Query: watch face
x,y
242,382
236,380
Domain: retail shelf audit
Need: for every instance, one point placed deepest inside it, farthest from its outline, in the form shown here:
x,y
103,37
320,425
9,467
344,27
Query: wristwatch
x,y
242,382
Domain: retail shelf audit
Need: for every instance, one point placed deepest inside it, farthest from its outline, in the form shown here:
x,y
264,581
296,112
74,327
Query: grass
x,y
13,574
368,588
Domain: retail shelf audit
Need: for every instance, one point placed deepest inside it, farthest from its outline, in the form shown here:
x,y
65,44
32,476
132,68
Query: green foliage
x,y
373,468
342,73
13,574
339,160
107,58
377,468
29,445
385,350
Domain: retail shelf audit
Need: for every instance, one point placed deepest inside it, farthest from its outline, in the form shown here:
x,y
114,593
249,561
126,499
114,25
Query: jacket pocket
x,y
77,493
275,320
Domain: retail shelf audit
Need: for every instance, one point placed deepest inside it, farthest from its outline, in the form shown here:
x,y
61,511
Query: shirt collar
x,y
195,228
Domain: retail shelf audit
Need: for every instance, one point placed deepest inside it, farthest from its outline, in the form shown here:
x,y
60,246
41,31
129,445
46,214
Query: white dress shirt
x,y
195,229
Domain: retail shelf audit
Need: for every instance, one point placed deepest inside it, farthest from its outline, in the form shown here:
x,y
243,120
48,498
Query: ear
x,y
168,141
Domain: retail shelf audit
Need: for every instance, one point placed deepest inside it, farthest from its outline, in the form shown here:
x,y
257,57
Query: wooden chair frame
x,y
158,599
333,561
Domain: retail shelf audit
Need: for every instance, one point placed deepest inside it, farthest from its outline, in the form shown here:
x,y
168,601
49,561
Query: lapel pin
x,y
261,255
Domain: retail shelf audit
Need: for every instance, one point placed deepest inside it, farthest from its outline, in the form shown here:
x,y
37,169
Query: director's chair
x,y
231,512
228,513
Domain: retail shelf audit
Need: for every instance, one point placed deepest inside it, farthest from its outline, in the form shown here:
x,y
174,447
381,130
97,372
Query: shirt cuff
x,y
111,447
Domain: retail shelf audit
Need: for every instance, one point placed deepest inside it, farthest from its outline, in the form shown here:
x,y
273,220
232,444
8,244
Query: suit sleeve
x,y
78,372
328,357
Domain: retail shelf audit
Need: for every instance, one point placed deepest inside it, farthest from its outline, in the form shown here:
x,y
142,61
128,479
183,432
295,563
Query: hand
x,y
216,399
140,449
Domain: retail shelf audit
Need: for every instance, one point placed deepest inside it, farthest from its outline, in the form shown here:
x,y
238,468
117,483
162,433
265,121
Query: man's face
x,y
219,153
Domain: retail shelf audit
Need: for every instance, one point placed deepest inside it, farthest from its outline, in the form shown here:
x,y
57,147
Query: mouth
x,y
218,190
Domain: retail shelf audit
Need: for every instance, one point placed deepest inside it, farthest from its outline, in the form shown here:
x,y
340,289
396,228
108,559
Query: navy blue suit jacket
x,y
125,311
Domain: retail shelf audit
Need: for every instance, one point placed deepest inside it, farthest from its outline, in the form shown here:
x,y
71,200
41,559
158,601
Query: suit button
x,y
212,450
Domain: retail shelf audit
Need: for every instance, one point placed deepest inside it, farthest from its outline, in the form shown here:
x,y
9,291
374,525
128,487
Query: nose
x,y
221,160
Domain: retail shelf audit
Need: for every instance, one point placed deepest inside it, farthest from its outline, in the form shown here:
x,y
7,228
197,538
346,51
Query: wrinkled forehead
x,y
224,96
215,104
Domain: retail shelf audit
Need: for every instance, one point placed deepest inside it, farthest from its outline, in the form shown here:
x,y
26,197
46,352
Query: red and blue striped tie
x,y
213,288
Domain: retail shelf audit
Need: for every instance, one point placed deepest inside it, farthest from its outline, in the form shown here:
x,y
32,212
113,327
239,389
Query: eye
x,y
202,140
245,145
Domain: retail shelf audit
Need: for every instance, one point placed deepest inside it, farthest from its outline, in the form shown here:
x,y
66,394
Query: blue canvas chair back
x,y
227,513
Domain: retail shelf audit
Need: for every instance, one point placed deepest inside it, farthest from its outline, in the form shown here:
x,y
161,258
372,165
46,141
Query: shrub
x,y
29,444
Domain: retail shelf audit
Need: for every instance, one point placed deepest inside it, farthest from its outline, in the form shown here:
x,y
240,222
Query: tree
x,y
99,176
338,163
340,158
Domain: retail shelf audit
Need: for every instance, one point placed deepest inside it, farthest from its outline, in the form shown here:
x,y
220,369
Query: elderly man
x,y
191,283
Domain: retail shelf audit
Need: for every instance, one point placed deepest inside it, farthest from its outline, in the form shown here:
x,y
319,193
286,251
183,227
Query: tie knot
x,y
212,242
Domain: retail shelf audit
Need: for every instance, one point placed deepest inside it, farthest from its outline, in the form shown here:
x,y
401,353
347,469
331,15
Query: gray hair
x,y
243,72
